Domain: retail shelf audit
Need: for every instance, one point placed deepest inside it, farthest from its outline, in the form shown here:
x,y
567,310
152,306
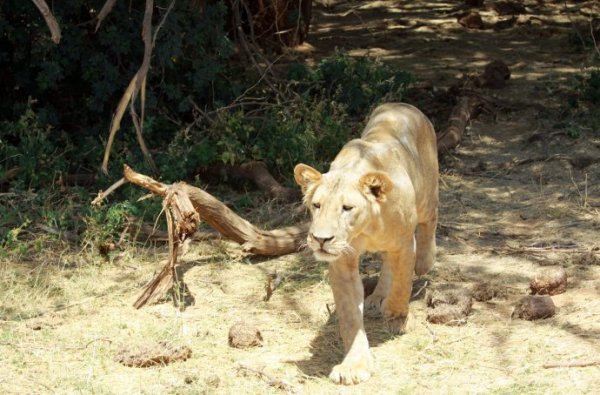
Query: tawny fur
x,y
380,194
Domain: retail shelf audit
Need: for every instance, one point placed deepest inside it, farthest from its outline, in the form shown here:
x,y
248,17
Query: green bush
x,y
38,153
203,106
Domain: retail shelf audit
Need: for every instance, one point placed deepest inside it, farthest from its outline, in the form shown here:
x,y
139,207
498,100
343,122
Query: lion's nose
x,y
321,240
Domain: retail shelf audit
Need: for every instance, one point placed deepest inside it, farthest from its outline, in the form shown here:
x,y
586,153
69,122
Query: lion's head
x,y
343,207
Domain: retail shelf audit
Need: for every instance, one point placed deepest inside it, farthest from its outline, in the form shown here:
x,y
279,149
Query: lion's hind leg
x,y
384,283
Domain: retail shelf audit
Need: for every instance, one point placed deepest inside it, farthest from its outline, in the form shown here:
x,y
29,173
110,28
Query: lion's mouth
x,y
324,255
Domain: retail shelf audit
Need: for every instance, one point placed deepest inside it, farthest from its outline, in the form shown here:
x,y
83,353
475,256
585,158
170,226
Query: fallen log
x,y
185,206
469,102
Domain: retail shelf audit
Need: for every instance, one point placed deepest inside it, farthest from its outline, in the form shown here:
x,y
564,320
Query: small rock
x,y
534,307
243,335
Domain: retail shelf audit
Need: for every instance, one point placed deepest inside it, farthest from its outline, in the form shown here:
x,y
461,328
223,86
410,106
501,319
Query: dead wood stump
x,y
550,281
244,335
534,307
448,306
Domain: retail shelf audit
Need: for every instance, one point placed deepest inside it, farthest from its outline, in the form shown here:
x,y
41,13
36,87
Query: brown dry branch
x,y
185,206
147,231
136,86
106,9
49,18
574,364
103,194
182,222
272,381
459,119
230,225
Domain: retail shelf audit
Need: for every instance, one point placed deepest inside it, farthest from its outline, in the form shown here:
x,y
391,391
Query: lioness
x,y
380,194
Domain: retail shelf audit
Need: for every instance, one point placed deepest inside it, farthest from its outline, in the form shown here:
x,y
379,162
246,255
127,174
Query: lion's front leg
x,y
348,294
402,265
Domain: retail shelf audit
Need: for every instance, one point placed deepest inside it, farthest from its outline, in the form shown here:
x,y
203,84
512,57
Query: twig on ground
x,y
420,290
574,364
272,381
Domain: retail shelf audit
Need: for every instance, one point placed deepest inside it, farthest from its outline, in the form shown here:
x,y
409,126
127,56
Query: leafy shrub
x,y
37,153
62,98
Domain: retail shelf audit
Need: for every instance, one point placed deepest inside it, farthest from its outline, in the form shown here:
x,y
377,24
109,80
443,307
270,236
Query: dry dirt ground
x,y
67,319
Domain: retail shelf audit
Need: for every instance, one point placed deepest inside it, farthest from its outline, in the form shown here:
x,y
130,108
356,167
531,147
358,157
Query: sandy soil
x,y
500,223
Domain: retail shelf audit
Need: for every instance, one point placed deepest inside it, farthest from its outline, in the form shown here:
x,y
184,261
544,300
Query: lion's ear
x,y
376,184
306,175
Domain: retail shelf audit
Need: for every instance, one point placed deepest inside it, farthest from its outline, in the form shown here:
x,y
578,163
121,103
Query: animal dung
x,y
551,281
162,353
483,292
534,307
243,335
448,306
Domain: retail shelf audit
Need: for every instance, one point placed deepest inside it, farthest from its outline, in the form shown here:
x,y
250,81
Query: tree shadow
x,y
327,349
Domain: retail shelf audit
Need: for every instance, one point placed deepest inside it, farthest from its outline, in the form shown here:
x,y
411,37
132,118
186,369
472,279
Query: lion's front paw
x,y
352,372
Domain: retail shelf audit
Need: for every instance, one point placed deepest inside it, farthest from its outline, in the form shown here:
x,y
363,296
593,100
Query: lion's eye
x,y
347,208
317,205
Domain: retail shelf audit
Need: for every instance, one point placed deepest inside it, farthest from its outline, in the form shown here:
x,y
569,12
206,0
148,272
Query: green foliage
x,y
36,152
106,223
203,107
359,83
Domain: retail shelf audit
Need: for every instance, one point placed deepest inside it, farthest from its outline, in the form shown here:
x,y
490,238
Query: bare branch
x,y
137,84
50,19
103,194
106,9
